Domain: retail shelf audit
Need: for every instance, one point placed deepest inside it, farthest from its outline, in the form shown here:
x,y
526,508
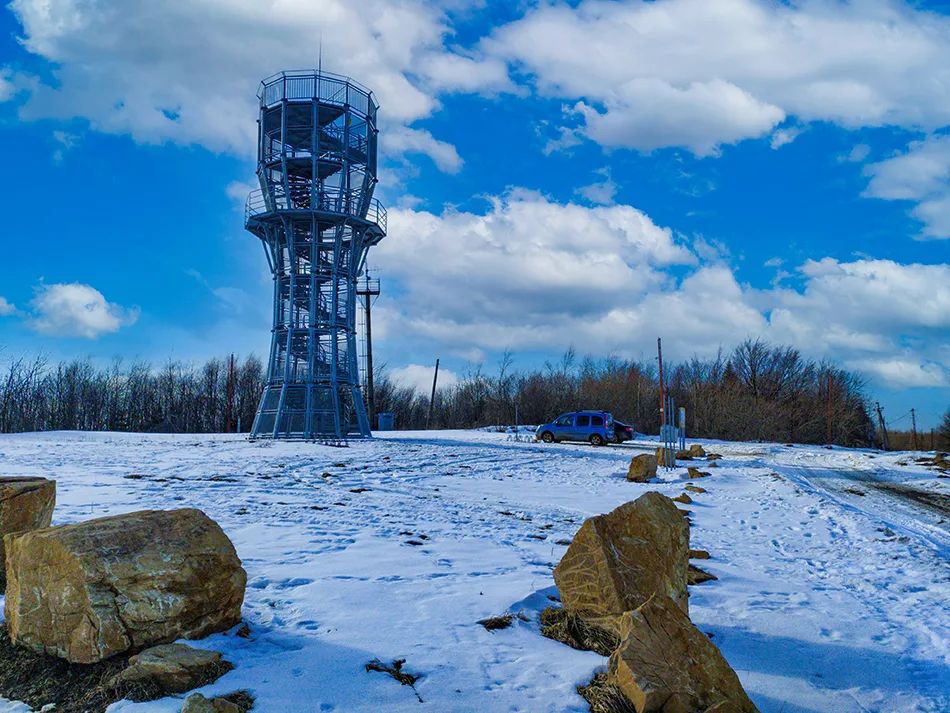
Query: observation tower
x,y
317,218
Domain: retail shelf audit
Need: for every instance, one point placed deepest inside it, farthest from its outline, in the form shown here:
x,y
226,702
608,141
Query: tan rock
x,y
695,489
698,555
618,560
695,575
176,668
666,665
697,451
196,703
89,591
697,473
684,455
642,468
25,504
713,456
683,498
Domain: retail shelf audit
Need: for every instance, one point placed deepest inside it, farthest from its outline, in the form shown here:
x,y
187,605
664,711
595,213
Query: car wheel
x,y
596,439
547,437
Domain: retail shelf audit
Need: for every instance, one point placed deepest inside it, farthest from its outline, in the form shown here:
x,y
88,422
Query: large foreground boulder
x,y
89,591
666,665
642,468
617,561
25,504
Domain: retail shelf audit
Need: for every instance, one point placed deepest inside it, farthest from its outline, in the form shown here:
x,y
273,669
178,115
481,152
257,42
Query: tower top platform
x,y
325,87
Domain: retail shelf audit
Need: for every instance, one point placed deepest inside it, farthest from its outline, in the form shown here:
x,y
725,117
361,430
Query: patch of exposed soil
x,y
939,502
39,680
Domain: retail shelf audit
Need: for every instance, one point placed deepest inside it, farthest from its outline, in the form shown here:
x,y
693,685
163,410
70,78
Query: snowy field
x,y
832,595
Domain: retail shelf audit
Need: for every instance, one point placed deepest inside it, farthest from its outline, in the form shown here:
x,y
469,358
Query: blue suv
x,y
596,427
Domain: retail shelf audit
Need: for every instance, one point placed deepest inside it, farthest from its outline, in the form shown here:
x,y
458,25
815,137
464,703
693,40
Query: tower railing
x,y
330,200
328,88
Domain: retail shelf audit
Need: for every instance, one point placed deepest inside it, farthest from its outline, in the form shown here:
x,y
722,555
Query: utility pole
x,y
368,288
435,380
885,441
659,356
913,421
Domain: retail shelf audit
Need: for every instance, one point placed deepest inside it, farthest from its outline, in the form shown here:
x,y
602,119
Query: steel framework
x,y
317,218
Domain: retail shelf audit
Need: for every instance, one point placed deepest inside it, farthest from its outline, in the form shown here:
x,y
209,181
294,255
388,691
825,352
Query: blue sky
x,y
587,174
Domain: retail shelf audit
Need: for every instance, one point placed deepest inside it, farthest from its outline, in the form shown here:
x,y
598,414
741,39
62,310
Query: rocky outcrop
x,y
666,665
617,561
25,504
173,668
697,451
684,455
642,468
89,591
683,498
697,473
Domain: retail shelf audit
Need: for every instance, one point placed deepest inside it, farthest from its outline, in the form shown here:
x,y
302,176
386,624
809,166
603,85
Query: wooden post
x,y
435,380
659,353
913,421
885,441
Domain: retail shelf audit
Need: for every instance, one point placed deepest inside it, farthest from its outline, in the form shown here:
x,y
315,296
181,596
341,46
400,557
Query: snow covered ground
x,y
827,600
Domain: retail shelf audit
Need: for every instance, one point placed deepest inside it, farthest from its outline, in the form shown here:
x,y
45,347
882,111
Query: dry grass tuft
x,y
242,699
604,697
394,670
561,625
497,622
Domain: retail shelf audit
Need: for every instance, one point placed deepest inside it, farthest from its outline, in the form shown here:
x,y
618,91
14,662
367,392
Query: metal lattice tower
x,y
317,217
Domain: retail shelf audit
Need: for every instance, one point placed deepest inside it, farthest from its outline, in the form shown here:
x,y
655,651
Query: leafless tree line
x,y
218,396
756,392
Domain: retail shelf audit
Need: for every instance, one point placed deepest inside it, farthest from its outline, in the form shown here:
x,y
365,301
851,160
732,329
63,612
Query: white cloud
x,y
785,136
403,140
455,73
701,74
238,192
533,275
600,192
648,114
858,153
6,308
76,310
921,175
66,142
904,373
7,88
419,378
187,72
